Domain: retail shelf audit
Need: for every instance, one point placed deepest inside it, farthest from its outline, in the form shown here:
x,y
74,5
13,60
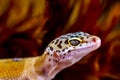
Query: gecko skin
x,y
62,52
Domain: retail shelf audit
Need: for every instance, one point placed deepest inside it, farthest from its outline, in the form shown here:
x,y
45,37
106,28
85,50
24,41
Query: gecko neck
x,y
46,67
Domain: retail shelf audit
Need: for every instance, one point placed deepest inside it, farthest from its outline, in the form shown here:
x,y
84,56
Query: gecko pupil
x,y
74,42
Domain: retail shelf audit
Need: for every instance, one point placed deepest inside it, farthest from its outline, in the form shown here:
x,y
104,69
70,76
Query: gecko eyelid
x,y
74,41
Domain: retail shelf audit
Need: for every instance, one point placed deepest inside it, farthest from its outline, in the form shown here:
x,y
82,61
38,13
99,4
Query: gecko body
x,y
60,53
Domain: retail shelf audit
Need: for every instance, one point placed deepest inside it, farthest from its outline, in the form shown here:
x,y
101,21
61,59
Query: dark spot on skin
x,y
66,41
69,51
51,55
51,48
47,53
80,44
82,38
74,36
64,54
56,41
57,50
87,37
63,50
63,57
71,36
79,34
55,60
49,59
59,45
86,41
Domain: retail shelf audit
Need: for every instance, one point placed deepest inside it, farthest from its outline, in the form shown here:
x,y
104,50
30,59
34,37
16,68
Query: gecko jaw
x,y
76,54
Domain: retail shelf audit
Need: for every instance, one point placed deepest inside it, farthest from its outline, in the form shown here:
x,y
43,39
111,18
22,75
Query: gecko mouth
x,y
79,53
75,55
92,47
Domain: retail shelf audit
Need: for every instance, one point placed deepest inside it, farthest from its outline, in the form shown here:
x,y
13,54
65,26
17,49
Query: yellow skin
x,y
13,70
62,52
9,68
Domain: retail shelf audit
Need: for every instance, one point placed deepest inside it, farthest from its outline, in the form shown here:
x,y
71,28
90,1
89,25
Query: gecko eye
x,y
74,41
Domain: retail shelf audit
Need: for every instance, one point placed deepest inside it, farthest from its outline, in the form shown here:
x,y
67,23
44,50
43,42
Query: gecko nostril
x,y
94,39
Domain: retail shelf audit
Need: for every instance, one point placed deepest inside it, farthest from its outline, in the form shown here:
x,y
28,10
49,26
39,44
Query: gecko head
x,y
71,47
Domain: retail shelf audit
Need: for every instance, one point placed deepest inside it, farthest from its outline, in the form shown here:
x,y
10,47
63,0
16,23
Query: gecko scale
x,y
62,52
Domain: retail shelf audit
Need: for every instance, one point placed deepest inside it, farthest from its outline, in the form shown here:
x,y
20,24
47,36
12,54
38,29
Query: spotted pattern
x,y
59,45
65,44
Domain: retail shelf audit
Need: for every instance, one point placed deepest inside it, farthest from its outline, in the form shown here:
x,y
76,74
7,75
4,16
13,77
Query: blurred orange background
x,y
27,26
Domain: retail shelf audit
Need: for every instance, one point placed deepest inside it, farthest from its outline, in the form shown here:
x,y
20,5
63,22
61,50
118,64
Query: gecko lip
x,y
83,51
92,47
75,55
